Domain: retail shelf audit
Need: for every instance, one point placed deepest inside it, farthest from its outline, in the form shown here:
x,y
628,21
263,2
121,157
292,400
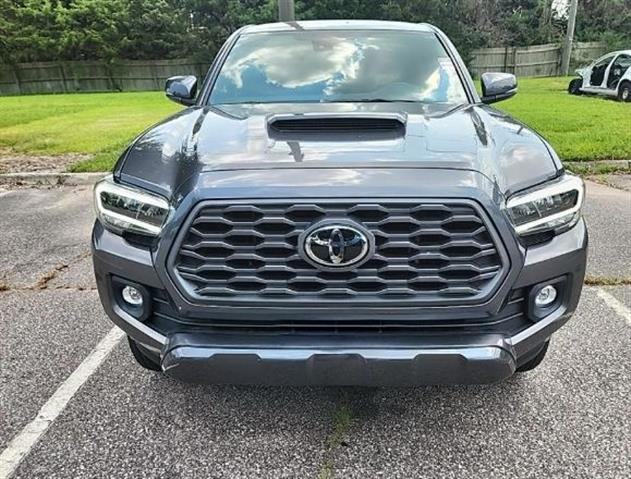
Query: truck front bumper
x,y
465,355
344,359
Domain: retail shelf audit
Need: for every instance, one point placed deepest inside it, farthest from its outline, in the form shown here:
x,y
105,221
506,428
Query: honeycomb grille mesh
x,y
423,252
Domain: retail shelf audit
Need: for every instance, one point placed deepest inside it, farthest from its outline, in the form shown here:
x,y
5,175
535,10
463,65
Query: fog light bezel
x,y
535,312
140,312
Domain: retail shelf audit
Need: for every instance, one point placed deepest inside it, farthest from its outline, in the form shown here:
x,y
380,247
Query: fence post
x,y
154,75
506,59
110,77
515,60
60,65
201,70
16,75
559,54
510,59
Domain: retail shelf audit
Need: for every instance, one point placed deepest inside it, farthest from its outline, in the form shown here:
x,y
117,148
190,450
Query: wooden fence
x,y
533,61
92,76
135,75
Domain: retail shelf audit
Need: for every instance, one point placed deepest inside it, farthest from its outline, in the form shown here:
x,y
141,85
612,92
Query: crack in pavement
x,y
6,288
48,276
342,418
593,280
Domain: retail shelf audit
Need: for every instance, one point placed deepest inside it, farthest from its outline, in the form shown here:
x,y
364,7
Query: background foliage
x,y
41,30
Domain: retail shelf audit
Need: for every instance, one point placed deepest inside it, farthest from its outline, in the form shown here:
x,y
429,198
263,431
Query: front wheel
x,y
624,92
574,88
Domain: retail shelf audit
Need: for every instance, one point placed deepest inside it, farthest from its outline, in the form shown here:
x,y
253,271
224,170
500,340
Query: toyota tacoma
x,y
338,205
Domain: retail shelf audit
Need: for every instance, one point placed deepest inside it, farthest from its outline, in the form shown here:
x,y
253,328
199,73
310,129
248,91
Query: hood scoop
x,y
324,127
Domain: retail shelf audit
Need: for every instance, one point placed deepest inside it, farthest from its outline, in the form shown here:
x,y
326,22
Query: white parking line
x,y
21,444
616,305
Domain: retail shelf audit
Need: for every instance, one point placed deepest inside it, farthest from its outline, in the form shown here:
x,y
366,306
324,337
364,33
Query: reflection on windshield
x,y
324,66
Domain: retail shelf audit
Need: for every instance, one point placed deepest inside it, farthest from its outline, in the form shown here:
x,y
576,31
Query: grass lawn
x,y
579,128
101,124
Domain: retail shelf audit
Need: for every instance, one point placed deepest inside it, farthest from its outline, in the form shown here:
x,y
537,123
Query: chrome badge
x,y
336,245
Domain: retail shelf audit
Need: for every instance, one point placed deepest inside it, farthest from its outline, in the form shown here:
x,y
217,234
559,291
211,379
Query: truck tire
x,y
536,360
574,88
624,92
142,358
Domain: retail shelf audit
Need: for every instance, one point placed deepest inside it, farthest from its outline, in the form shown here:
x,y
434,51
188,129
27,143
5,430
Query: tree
x,y
31,32
153,29
89,29
608,20
38,30
212,21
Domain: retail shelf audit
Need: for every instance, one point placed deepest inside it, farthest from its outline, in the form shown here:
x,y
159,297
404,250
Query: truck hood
x,y
171,157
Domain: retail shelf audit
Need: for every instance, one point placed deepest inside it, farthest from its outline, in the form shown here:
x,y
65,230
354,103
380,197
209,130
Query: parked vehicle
x,y
338,205
610,76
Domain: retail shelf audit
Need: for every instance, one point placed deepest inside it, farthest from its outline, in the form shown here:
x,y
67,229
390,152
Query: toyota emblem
x,y
336,245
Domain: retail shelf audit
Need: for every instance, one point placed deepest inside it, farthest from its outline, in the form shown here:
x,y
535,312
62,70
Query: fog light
x,y
132,296
546,296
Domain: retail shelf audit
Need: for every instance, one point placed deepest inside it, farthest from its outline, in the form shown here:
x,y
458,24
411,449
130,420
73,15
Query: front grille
x,y
424,252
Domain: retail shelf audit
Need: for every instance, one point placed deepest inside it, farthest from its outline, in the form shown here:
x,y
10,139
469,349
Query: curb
x,y
50,179
592,166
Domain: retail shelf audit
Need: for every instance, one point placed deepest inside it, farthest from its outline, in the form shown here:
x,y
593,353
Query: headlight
x,y
123,208
555,206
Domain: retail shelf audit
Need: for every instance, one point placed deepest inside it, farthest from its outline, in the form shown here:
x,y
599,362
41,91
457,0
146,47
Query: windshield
x,y
332,66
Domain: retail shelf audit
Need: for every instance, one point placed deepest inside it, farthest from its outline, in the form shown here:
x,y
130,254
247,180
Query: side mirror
x,y
182,89
498,87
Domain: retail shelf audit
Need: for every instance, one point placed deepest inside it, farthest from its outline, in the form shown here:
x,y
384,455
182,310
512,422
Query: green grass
x,y
102,124
579,128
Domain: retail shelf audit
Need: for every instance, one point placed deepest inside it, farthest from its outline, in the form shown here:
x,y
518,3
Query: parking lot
x,y
571,417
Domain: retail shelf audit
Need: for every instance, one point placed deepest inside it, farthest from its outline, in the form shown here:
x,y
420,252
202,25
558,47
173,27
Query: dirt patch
x,y
620,181
593,280
600,167
12,162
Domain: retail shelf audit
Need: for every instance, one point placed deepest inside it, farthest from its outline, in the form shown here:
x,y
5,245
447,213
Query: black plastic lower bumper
x,y
346,361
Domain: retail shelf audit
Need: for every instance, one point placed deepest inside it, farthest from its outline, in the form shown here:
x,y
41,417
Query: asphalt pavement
x,y
571,417
608,214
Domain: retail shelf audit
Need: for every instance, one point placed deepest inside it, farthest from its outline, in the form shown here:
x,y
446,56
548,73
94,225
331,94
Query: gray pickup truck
x,y
337,205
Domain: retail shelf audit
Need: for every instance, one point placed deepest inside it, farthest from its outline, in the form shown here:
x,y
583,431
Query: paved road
x,y
569,418
608,213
